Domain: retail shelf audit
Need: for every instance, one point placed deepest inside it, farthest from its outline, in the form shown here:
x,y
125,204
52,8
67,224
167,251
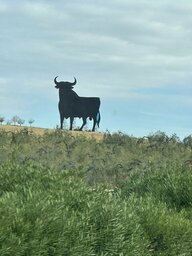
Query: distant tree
x,y
75,124
2,119
86,127
174,138
15,120
188,141
9,122
20,121
64,124
31,121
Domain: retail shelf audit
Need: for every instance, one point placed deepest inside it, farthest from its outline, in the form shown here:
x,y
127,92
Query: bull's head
x,y
62,83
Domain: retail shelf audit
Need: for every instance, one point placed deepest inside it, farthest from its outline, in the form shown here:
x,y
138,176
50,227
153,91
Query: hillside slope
x,y
40,131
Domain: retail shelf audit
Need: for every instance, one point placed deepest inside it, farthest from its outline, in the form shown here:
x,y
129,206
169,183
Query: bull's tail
x,y
98,118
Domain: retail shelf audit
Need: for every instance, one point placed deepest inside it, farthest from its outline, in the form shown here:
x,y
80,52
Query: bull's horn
x,y
74,82
55,81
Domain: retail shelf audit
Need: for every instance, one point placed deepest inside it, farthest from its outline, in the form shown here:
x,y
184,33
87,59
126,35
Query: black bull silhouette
x,y
71,105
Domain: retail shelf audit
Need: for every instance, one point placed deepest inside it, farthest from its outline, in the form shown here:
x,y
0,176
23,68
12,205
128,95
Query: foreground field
x,y
67,195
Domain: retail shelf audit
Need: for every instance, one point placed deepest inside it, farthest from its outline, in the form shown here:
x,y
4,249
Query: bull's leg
x,y
61,121
84,123
94,123
71,123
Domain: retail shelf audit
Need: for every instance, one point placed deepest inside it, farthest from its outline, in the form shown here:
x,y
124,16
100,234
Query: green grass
x,y
61,195
45,212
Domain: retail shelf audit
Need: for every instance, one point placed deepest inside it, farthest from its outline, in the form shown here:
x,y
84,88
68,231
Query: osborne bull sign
x,y
71,105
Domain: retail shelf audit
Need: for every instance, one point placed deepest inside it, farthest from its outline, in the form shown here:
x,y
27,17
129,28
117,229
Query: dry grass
x,y
40,131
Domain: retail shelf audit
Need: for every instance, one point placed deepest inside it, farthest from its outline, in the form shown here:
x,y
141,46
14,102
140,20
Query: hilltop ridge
x,y
40,131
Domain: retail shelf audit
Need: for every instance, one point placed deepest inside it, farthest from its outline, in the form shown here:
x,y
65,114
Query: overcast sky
x,y
135,55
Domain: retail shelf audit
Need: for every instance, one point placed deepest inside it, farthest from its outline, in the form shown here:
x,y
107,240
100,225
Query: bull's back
x,y
79,107
87,106
92,101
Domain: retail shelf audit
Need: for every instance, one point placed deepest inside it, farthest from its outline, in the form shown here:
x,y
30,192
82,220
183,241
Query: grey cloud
x,y
117,44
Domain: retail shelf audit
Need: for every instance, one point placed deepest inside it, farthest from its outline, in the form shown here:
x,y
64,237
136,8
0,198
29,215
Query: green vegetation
x,y
66,195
